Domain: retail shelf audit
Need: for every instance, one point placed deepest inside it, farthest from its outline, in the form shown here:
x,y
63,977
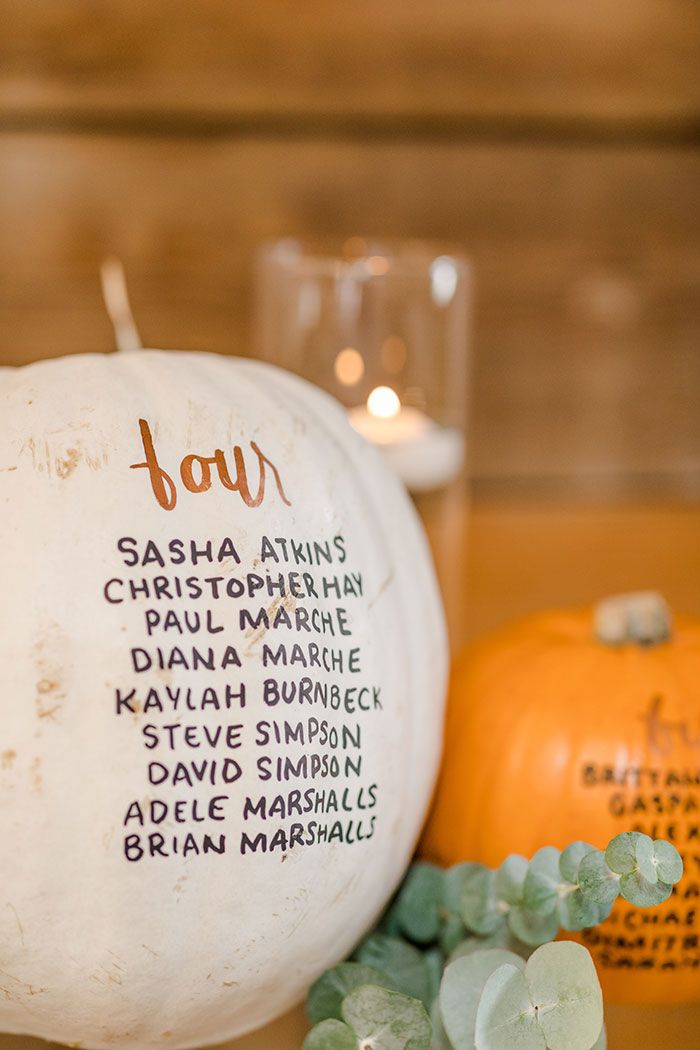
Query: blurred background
x,y
557,143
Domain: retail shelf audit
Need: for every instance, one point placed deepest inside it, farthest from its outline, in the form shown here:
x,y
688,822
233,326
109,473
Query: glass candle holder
x,y
384,328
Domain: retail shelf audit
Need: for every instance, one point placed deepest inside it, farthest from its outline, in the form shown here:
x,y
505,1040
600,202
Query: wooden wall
x,y
559,142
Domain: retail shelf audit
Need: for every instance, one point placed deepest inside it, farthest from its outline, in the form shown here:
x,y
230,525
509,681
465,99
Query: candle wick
x,y
116,300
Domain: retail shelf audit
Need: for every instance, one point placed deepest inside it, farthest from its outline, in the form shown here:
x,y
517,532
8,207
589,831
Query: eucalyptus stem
x,y
463,959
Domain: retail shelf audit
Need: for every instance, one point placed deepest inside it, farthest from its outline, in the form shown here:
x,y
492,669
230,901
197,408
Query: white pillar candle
x,y
423,453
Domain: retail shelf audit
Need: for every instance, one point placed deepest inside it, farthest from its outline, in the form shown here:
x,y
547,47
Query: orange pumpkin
x,y
578,725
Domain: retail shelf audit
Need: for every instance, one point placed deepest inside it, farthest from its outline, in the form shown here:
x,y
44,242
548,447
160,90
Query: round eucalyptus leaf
x,y
330,1035
327,993
505,1018
453,929
461,988
479,910
389,922
387,1020
401,962
502,938
621,854
644,894
604,911
509,878
571,858
669,864
577,912
440,1039
542,881
453,885
646,859
565,991
419,903
533,929
435,963
598,883
452,933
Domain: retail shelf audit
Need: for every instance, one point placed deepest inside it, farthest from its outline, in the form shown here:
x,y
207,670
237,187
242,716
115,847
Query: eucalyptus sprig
x,y
462,959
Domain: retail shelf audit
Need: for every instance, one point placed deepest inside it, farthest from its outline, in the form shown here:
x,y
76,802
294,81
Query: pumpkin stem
x,y
642,618
116,300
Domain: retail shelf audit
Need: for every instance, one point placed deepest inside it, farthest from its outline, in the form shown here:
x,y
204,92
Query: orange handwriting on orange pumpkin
x,y
195,472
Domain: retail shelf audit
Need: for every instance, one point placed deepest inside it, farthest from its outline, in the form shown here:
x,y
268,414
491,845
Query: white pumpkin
x,y
222,670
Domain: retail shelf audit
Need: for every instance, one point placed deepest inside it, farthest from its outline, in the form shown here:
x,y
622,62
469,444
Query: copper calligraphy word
x,y
196,473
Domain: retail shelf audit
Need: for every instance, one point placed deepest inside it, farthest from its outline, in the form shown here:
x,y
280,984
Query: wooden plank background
x,y
619,61
557,142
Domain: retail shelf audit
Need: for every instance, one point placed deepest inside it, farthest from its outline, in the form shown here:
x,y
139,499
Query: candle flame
x,y
383,403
